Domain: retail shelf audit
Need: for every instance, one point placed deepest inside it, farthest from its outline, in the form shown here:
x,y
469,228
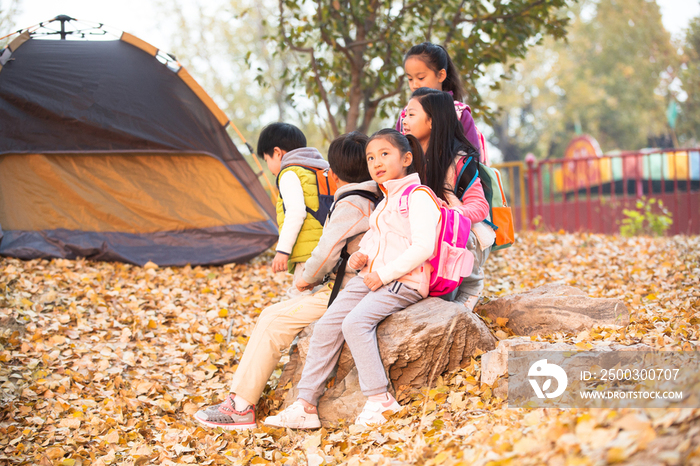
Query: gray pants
x,y
473,285
353,317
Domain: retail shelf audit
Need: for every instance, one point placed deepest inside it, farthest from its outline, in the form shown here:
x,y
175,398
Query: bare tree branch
x,y
399,15
324,95
372,105
356,94
358,43
314,66
429,32
453,25
494,18
398,89
327,39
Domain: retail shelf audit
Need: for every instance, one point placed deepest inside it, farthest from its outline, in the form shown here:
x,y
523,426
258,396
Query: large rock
x,y
416,345
555,308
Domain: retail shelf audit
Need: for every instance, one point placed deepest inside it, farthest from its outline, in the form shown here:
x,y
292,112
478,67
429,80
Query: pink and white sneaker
x,y
372,412
294,416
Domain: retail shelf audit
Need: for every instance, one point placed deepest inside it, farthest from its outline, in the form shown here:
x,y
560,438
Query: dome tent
x,y
110,150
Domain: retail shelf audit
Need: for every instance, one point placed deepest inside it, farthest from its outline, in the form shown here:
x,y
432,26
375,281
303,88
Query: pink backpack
x,y
451,261
484,151
460,107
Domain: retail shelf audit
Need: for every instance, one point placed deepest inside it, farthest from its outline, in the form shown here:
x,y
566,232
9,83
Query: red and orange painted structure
x,y
588,190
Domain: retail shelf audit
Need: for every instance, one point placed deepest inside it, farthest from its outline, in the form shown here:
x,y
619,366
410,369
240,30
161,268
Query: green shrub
x,y
644,220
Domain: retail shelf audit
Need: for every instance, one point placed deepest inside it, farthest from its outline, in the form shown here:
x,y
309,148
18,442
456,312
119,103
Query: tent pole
x,y
273,191
63,29
63,19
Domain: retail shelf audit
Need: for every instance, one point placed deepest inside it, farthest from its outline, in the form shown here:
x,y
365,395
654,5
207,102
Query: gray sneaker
x,y
224,415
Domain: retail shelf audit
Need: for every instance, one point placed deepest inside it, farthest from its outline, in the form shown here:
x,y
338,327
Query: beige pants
x,y
273,333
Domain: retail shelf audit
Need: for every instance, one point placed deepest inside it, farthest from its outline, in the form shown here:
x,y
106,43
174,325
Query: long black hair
x,y
447,137
436,58
407,143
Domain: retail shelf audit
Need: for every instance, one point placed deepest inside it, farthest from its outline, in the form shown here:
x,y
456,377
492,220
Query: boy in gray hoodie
x,y
279,324
283,147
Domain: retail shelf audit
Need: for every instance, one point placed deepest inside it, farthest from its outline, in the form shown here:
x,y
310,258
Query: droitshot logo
x,y
542,369
603,379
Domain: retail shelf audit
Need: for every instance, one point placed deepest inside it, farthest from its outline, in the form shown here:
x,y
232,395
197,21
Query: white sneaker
x,y
372,413
294,417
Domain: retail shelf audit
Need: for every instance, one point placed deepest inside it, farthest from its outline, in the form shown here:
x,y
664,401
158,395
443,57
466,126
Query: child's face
x,y
420,75
274,161
417,121
385,162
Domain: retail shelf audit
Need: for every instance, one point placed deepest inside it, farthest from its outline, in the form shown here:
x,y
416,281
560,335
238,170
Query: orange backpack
x,y
501,214
326,189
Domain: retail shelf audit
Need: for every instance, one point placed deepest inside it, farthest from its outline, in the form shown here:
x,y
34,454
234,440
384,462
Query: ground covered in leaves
x,y
104,363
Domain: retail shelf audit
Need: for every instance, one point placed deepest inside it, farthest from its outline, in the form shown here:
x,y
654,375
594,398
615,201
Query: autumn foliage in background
x,y
104,363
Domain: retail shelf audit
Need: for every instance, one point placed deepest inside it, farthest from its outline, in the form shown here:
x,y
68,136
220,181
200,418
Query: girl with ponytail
x,y
393,275
429,65
430,117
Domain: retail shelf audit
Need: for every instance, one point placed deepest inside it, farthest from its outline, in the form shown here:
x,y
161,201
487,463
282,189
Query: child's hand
x,y
357,260
373,281
279,263
302,285
452,200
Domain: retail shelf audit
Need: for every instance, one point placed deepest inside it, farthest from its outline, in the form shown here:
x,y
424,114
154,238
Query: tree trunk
x,y
508,149
355,95
370,111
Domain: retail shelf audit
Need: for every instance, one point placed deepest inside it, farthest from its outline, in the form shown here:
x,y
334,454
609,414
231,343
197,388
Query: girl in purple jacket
x,y
429,65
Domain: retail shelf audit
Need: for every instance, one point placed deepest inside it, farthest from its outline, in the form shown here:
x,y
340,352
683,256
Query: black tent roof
x,y
113,89
114,96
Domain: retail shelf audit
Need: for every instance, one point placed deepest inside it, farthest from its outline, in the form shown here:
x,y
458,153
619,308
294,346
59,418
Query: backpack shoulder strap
x,y
324,185
344,255
362,193
403,200
500,186
340,274
467,176
303,166
277,180
356,192
484,149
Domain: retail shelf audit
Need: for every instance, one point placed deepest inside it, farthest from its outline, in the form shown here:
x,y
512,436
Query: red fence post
x,y
530,160
677,209
687,189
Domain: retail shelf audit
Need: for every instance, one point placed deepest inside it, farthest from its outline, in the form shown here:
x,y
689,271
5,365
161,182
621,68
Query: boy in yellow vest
x,y
283,147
